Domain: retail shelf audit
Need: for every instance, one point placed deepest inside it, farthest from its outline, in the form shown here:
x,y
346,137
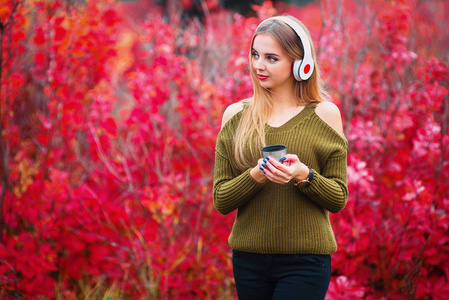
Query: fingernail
x,y
265,161
264,165
283,158
267,158
262,169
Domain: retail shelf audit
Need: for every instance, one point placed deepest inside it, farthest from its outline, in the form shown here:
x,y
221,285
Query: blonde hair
x,y
250,133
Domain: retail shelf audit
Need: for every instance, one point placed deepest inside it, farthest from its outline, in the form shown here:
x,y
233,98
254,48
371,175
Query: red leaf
x,y
110,126
19,35
39,36
60,33
16,80
5,12
39,58
110,17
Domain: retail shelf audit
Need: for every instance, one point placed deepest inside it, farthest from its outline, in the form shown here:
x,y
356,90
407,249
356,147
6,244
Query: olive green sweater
x,y
284,219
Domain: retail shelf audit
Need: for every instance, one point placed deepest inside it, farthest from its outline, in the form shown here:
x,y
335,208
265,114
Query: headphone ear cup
x,y
296,69
307,67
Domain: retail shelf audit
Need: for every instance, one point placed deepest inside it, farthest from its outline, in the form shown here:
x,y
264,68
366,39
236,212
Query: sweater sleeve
x,y
230,192
329,189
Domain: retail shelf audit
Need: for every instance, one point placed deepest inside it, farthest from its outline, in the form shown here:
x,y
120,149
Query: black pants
x,y
281,276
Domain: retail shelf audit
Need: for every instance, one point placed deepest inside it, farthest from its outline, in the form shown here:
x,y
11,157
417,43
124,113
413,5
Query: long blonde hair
x,y
250,133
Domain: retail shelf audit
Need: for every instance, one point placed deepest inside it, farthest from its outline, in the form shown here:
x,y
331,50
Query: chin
x,y
266,86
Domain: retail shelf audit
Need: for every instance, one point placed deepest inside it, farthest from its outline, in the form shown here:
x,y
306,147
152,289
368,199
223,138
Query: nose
x,y
259,64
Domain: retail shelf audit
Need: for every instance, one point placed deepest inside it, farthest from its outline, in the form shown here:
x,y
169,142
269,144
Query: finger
x,y
275,179
268,165
276,175
261,165
289,158
275,165
272,160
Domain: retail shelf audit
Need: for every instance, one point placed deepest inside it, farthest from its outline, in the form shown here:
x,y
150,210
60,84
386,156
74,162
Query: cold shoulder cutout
x,y
330,114
231,111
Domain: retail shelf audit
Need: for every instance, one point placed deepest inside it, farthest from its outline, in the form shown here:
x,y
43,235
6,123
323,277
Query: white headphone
x,y
302,68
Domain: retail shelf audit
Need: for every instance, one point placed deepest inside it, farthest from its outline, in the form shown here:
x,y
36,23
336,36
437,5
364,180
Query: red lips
x,y
262,77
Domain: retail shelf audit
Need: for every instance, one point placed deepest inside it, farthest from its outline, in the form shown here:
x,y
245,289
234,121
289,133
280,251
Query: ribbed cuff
x,y
236,192
327,193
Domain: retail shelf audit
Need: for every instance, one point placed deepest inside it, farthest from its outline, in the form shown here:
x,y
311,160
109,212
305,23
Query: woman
x,y
282,238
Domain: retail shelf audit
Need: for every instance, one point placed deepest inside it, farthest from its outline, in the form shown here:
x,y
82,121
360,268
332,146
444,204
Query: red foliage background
x,y
108,126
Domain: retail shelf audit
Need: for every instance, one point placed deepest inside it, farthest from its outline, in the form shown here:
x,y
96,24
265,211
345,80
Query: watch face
x,y
304,183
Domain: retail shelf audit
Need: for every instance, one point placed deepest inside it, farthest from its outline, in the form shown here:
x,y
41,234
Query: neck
x,y
283,100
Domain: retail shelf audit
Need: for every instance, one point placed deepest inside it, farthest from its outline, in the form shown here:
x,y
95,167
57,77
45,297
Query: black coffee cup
x,y
276,151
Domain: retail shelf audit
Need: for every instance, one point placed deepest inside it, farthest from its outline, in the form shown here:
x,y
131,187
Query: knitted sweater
x,y
284,219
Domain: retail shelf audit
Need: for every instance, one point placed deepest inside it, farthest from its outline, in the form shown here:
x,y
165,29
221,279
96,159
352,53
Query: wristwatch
x,y
307,181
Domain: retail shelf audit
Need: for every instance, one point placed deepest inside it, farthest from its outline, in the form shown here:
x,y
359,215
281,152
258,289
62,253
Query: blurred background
x,y
109,116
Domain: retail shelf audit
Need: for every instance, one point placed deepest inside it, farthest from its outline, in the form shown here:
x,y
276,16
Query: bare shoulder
x,y
330,114
231,111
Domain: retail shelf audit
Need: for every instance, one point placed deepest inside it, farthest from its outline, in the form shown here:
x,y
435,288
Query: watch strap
x,y
308,179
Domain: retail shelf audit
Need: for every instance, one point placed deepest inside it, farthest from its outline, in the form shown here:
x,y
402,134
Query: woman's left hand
x,y
287,168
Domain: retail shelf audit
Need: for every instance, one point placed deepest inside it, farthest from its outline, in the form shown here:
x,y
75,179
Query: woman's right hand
x,y
257,172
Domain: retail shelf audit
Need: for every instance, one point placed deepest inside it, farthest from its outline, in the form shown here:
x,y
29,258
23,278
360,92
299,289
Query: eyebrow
x,y
267,54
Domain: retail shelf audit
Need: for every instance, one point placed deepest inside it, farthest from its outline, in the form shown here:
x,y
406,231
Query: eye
x,y
272,58
255,54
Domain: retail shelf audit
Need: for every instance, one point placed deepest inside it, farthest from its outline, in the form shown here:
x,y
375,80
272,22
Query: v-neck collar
x,y
295,120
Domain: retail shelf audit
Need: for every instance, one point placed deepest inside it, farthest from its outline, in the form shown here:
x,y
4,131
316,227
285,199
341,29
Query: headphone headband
x,y
302,69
